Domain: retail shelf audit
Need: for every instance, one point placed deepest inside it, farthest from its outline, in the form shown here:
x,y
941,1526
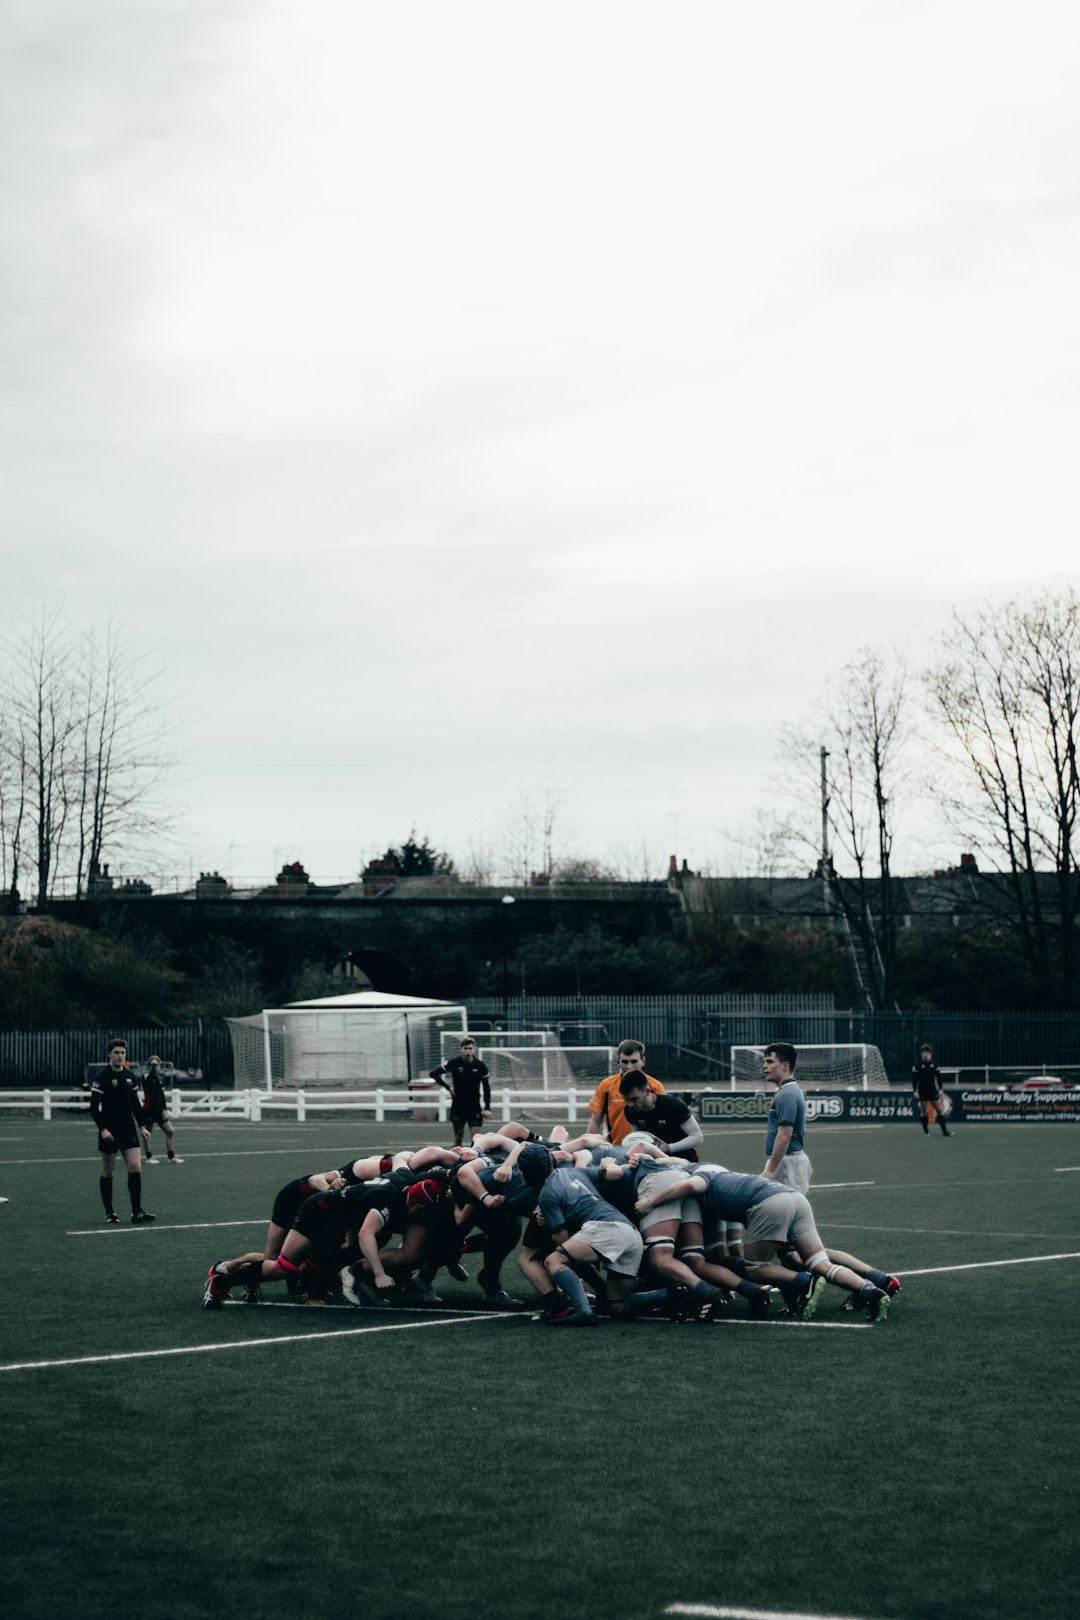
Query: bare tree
x,y
123,735
1009,696
38,699
864,727
13,786
531,835
82,733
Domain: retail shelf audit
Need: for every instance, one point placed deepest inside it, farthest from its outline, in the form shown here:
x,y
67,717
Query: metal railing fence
x,y
687,1037
59,1058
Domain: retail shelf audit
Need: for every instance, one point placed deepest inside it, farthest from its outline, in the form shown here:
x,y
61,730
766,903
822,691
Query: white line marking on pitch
x,y
1067,1170
986,1265
722,1612
250,1344
945,1231
778,1322
189,1226
193,1158
831,1186
298,1305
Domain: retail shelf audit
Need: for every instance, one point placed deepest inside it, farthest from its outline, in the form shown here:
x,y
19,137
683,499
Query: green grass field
x,y
173,1462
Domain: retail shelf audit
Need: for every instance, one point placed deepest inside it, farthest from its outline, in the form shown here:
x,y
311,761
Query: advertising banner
x,y
1056,1105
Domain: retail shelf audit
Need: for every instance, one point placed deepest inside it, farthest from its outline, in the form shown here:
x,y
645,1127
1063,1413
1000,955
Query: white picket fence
x,y
423,1103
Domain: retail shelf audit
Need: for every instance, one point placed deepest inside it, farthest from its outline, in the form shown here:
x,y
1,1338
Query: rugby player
x,y
156,1111
587,1230
926,1087
497,1206
786,1160
666,1117
468,1076
606,1108
776,1219
246,1269
117,1113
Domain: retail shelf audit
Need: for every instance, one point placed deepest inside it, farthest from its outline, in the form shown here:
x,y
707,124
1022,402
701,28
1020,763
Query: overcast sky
x,y
476,400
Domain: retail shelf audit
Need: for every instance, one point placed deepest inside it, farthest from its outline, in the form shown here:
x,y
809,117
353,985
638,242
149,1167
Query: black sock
x,y
172,1155
925,1128
105,1183
944,1127
135,1191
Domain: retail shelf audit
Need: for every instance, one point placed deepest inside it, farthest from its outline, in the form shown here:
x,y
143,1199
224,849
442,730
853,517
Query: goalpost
x,y
534,1060
851,1066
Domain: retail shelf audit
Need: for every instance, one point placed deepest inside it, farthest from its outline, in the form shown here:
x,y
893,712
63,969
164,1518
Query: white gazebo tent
x,y
356,1041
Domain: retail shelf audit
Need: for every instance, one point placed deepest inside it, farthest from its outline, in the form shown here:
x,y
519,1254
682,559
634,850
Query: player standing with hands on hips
x,y
786,1160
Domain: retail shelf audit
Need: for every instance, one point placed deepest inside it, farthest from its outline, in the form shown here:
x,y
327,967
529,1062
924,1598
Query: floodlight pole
x,y
507,900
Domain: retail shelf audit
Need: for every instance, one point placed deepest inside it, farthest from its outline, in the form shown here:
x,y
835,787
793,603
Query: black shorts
x,y
327,1226
537,1237
122,1139
286,1204
159,1119
475,1120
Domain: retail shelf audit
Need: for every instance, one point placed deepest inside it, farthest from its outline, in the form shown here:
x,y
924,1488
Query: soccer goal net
x,y
535,1060
856,1066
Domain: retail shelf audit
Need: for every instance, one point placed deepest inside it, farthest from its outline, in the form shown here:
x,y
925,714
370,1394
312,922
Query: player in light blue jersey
x,y
786,1159
776,1219
587,1230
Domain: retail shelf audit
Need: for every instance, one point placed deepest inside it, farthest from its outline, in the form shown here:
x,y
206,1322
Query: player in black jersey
x,y
117,1112
926,1089
156,1111
666,1117
246,1269
467,1078
321,1229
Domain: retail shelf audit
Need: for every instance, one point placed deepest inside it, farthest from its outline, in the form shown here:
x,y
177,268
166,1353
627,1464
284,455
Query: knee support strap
x,y
818,1259
286,1267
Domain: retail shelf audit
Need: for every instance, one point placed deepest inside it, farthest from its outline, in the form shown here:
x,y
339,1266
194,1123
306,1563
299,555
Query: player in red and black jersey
x,y
327,1225
117,1112
246,1269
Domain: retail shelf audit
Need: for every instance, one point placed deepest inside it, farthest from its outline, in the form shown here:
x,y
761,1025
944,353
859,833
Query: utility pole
x,y
826,863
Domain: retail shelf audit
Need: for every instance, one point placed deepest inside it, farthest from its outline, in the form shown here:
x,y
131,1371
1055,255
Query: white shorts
x,y
618,1245
794,1171
685,1210
780,1218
